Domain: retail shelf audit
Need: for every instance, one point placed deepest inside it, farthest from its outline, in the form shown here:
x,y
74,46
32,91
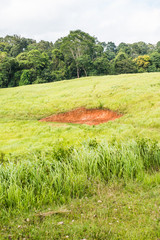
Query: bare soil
x,y
83,116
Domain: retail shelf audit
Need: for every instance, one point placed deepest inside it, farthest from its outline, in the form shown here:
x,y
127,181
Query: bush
x,y
39,80
27,77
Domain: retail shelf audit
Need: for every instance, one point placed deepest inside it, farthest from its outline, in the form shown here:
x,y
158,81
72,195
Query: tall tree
x,y
37,59
124,64
8,66
124,47
155,60
111,50
102,65
143,63
76,45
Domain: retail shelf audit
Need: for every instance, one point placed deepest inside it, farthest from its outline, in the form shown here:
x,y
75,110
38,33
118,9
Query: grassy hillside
x,y
137,96
70,181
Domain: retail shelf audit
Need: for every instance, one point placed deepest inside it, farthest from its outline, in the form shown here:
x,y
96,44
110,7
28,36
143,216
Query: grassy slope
x,y
137,96
125,210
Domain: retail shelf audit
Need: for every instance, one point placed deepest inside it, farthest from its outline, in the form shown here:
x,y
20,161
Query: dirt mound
x,y
83,116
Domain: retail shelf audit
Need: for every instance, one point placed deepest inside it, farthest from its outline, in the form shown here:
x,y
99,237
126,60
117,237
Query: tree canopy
x,y
25,61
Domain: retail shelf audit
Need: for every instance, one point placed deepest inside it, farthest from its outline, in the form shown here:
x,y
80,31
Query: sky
x,y
109,20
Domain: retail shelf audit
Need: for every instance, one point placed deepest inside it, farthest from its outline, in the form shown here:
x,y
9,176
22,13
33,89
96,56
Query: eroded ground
x,y
84,116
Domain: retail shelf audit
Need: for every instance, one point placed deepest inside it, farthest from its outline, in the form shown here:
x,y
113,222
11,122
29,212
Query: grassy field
x,y
71,181
137,96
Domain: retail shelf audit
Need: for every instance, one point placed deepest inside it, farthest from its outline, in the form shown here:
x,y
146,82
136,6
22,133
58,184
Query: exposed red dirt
x,y
84,116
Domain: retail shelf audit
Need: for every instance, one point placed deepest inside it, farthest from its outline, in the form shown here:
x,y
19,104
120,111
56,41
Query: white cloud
x,y
108,20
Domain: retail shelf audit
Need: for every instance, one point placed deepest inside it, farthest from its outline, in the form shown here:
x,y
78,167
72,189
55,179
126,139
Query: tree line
x,y
24,61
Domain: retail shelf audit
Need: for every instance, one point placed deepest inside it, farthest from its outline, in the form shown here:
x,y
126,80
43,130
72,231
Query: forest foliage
x,y
24,61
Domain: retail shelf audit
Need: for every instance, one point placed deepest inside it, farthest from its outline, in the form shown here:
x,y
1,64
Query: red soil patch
x,y
83,116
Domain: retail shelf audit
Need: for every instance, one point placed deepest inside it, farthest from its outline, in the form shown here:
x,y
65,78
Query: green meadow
x,y
72,181
136,96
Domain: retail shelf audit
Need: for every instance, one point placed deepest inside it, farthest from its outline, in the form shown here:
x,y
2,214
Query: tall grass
x,y
58,175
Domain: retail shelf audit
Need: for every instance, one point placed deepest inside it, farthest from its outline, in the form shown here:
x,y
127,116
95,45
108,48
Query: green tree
x,y
151,48
158,46
143,48
15,44
84,64
23,61
27,77
111,50
57,66
102,65
57,59
139,48
155,60
123,64
123,47
75,45
8,66
37,60
143,63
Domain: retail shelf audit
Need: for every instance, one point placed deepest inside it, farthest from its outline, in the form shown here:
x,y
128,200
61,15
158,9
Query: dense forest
x,y
24,61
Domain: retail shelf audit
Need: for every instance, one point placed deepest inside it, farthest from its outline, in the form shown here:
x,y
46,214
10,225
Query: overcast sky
x,y
109,20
